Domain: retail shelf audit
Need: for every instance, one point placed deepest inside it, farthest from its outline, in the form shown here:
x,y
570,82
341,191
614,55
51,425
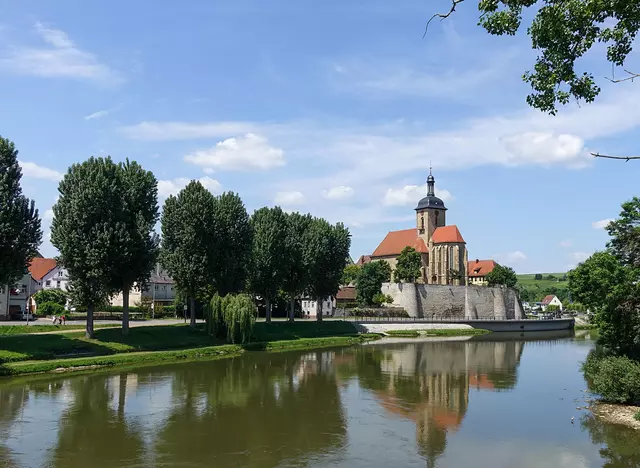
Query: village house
x,y
550,300
477,271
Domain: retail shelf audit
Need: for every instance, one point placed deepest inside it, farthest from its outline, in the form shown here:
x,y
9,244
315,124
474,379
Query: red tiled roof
x,y
41,266
447,234
548,299
395,241
363,259
346,293
480,267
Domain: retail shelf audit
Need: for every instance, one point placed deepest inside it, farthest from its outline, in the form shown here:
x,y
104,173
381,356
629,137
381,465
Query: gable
x,y
447,235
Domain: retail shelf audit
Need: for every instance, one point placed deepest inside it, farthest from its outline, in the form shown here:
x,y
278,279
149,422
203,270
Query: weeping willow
x,y
231,317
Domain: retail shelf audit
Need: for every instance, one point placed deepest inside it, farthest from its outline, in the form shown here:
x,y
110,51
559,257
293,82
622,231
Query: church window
x,y
422,223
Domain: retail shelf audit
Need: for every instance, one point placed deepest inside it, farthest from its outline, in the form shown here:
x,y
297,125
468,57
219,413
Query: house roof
x,y
395,241
346,293
476,268
547,299
41,266
363,259
447,234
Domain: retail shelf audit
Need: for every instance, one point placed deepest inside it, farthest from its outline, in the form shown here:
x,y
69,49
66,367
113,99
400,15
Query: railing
x,y
436,319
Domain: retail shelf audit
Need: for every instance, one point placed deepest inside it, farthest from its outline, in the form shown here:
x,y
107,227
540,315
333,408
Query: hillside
x,y
529,280
534,290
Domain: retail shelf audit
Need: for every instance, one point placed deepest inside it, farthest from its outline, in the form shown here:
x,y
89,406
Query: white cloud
x,y
545,148
603,223
410,195
172,187
96,115
59,58
340,192
511,258
289,198
243,153
566,243
30,169
48,215
167,131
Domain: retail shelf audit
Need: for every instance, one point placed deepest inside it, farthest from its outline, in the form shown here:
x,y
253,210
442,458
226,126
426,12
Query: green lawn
x,y
7,330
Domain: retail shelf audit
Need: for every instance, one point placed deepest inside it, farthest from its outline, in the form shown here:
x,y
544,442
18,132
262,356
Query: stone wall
x,y
433,301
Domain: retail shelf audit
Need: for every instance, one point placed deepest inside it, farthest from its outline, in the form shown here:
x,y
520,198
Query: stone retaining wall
x,y
433,301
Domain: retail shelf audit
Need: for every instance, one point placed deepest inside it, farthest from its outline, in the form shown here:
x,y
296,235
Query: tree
x,y
625,234
408,266
599,279
370,281
189,241
502,276
296,274
350,274
563,32
326,251
538,276
134,244
268,253
50,295
233,240
83,230
20,233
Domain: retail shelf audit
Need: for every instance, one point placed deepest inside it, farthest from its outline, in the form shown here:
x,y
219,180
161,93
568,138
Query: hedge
x,y
614,378
50,308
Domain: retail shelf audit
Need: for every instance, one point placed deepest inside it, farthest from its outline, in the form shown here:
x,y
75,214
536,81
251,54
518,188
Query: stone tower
x,y
430,212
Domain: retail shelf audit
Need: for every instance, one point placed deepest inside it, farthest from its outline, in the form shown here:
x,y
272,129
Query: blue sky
x,y
334,108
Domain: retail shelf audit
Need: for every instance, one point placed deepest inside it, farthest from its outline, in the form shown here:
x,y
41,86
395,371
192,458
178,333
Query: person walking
x,y
55,319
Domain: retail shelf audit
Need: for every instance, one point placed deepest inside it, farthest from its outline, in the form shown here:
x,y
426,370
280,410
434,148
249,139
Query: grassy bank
x,y
589,326
437,332
7,330
22,354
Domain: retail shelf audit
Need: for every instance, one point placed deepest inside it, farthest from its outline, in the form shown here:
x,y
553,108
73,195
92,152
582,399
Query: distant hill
x,y
530,280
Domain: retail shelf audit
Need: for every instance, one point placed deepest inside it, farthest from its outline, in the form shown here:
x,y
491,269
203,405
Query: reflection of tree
x,y
92,433
621,448
256,410
429,382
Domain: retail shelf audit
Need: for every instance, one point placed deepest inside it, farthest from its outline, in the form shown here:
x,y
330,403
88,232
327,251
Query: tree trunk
x,y
122,391
319,309
89,332
292,310
125,310
192,306
267,310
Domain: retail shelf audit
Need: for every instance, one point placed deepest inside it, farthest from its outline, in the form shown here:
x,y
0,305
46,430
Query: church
x,y
442,248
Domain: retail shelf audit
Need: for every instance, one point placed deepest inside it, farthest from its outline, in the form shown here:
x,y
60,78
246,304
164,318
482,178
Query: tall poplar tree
x,y
296,273
20,233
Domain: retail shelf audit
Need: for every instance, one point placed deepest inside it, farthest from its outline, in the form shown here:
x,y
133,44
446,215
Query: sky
x,y
335,108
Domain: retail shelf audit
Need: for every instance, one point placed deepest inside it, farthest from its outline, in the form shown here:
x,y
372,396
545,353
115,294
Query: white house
x,y
309,306
160,290
56,278
13,299
550,300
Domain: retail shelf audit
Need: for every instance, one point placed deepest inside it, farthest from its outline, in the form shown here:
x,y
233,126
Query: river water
x,y
479,402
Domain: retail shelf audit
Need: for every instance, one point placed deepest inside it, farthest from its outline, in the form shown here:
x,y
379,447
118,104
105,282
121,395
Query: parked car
x,y
22,316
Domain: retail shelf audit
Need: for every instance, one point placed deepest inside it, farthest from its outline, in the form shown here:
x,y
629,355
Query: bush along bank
x,y
615,378
163,344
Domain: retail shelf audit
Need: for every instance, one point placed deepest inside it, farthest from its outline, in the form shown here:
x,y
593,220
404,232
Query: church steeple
x,y
431,182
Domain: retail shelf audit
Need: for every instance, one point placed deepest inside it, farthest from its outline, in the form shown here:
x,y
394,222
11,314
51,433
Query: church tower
x,y
430,212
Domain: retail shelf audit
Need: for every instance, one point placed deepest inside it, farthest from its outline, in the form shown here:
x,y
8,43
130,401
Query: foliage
x,y
619,324
189,240
83,230
326,252
551,278
502,276
553,308
233,243
370,281
239,318
563,32
132,242
636,416
614,378
625,233
408,266
350,274
50,308
296,271
51,295
538,276
575,307
268,252
20,233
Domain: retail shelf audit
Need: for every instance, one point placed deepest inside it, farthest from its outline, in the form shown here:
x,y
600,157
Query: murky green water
x,y
475,403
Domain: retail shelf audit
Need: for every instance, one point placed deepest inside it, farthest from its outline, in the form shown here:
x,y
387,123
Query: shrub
x,y
50,308
614,378
553,308
388,299
51,295
378,299
637,416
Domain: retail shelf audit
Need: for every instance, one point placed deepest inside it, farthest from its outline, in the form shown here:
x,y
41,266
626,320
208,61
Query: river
x,y
487,401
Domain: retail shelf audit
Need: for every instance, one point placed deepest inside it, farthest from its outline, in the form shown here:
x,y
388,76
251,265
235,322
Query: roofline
x,y
424,209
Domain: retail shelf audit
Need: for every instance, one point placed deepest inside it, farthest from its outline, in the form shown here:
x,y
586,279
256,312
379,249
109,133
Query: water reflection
x,y
301,409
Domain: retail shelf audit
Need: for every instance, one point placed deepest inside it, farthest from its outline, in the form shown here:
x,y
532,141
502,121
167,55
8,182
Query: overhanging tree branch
x,y
625,158
632,76
454,4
